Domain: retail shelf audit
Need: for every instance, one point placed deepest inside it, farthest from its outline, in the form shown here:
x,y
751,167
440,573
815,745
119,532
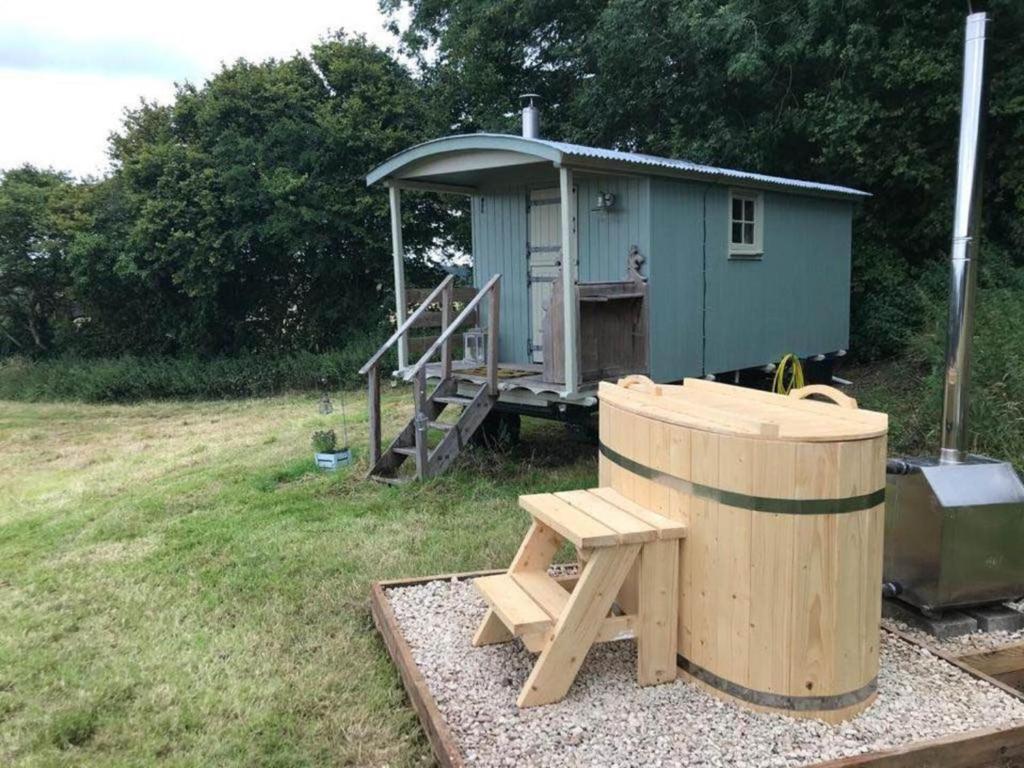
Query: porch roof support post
x,y
398,255
570,305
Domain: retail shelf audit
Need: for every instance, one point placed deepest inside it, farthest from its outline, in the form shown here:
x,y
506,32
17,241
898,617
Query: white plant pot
x,y
331,461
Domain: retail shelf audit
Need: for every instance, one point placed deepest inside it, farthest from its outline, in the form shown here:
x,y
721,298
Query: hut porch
x,y
541,337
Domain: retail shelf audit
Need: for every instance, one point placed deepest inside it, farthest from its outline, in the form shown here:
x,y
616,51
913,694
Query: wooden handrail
x,y
411,372
404,327
418,371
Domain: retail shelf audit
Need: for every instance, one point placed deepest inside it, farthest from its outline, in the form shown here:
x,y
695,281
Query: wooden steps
x,y
456,434
613,537
412,440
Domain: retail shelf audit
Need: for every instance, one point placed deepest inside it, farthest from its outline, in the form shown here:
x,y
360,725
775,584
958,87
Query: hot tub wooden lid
x,y
727,409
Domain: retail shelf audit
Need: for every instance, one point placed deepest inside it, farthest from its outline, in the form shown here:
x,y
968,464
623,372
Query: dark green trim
x,y
742,500
778,700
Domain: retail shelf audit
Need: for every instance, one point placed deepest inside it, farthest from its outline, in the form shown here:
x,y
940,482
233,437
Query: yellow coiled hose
x,y
788,375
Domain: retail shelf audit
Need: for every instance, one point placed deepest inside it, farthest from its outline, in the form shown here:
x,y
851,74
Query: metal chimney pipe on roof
x,y
531,116
963,257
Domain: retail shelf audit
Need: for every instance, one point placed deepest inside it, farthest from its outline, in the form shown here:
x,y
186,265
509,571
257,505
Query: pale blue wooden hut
x,y
676,270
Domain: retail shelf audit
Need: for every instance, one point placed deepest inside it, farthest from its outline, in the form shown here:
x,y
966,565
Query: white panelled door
x,y
544,259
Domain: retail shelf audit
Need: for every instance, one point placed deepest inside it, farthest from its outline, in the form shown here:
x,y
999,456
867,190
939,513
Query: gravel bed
x,y
608,721
976,642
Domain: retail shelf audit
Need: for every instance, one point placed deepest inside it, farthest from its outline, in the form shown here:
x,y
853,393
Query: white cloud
x,y
62,120
68,68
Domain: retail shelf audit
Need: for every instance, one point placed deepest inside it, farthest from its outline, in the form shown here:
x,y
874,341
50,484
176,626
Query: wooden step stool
x,y
610,534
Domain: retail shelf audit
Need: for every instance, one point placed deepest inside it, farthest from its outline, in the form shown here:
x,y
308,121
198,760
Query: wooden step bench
x,y
614,538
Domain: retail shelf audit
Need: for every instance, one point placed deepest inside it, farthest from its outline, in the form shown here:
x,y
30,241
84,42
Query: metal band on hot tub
x,y
744,501
778,700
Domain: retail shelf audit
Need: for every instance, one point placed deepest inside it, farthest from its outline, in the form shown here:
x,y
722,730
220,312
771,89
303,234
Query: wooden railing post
x,y
446,347
492,339
403,328
487,290
374,414
420,422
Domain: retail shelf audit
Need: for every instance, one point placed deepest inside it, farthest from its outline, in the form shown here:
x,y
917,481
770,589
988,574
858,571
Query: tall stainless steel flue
x,y
954,525
963,256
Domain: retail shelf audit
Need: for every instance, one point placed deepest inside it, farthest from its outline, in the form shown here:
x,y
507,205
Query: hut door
x,y
544,260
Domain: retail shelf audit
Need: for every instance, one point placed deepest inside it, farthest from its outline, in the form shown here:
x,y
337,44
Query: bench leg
x,y
539,547
657,620
578,625
628,599
491,631
535,642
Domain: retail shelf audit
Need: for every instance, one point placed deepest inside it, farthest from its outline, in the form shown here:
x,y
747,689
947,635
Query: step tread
x,y
667,527
442,425
452,399
631,530
516,609
389,480
569,522
405,450
543,590
600,517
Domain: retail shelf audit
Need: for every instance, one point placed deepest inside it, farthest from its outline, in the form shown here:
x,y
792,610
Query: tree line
x,y
236,218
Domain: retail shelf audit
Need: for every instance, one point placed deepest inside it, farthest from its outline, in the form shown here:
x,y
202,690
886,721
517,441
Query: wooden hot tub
x,y
780,575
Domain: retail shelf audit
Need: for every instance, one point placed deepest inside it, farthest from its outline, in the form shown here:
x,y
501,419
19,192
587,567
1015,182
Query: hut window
x,y
745,223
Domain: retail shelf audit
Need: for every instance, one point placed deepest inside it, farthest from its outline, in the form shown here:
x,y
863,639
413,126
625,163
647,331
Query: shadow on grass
x,y
543,446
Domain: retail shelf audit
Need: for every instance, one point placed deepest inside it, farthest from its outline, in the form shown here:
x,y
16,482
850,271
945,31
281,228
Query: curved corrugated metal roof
x,y
562,152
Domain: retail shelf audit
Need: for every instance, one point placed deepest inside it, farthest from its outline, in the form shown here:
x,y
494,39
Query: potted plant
x,y
327,453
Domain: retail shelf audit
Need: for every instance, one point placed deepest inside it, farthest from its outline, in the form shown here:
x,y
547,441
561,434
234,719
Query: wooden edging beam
x,y
1005,664
983,748
445,748
959,663
986,748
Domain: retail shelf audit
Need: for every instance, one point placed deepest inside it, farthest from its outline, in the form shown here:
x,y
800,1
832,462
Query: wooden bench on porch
x,y
623,549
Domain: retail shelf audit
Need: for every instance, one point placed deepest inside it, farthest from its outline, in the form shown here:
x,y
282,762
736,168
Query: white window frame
x,y
747,250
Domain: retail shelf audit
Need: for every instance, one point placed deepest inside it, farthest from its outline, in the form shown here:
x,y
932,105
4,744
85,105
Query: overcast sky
x,y
68,68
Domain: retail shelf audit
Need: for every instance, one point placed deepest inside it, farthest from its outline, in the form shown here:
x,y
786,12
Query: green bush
x,y
886,304
910,389
129,378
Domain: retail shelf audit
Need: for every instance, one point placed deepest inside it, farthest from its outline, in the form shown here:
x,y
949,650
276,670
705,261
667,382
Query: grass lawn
x,y
179,586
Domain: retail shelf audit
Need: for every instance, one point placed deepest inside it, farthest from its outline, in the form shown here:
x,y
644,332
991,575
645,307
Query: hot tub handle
x,y
839,398
639,382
